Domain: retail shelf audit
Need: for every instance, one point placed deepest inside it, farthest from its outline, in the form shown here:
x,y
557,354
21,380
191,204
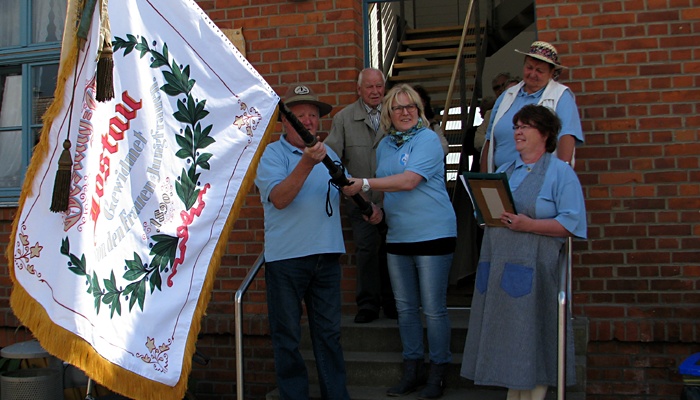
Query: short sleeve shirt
x,y
504,151
560,197
426,212
303,227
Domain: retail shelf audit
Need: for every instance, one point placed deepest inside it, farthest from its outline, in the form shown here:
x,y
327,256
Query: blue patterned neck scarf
x,y
402,137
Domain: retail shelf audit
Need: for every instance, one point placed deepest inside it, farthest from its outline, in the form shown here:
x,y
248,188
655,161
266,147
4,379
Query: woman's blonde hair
x,y
385,120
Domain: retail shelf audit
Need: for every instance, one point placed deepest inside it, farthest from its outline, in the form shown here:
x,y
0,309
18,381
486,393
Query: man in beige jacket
x,y
354,137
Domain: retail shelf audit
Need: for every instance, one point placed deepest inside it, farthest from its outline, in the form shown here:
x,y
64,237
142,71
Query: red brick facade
x,y
635,69
636,75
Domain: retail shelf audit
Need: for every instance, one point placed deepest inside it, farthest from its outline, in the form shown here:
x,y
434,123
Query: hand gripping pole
x,y
337,175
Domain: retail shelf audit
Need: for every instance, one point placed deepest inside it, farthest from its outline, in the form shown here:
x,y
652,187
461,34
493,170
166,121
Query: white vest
x,y
550,99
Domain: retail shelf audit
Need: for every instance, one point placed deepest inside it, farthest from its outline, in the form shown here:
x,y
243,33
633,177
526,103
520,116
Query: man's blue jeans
x,y
422,280
316,280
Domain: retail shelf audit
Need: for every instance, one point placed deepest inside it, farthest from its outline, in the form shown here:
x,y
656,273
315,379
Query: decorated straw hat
x,y
544,51
301,94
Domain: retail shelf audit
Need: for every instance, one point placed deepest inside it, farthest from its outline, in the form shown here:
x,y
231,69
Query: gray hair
x,y
359,77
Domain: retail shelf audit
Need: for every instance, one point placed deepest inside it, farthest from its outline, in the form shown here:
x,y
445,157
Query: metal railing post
x,y
455,69
565,307
252,273
562,321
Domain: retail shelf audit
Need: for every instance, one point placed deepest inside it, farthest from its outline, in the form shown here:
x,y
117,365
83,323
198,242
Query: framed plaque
x,y
490,196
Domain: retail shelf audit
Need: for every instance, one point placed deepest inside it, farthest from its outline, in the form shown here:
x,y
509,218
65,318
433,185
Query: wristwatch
x,y
365,185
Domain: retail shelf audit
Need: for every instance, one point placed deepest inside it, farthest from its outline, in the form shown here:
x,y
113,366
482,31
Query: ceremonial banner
x,y
117,285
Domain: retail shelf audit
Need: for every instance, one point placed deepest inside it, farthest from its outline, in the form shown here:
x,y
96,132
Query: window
x,y
30,47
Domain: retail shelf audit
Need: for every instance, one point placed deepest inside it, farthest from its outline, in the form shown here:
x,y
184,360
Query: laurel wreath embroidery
x,y
144,277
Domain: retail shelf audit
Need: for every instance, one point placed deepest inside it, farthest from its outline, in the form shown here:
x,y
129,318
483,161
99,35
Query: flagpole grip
x,y
337,175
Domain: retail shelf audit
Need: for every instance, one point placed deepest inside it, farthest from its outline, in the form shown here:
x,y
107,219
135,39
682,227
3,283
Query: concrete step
x,y
382,369
474,393
373,359
382,334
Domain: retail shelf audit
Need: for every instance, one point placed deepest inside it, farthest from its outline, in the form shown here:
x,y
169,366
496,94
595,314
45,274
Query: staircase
x,y
373,361
427,57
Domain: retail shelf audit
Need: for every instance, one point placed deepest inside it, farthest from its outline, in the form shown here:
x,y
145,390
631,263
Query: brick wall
x,y
313,42
635,69
634,66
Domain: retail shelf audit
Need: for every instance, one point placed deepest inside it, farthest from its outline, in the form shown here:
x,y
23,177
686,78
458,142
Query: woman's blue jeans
x,y
422,280
316,280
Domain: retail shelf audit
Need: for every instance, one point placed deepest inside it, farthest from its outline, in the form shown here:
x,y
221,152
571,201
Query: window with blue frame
x,y
30,48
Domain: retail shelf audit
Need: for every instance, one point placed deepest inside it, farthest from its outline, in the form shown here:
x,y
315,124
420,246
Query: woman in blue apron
x,y
512,336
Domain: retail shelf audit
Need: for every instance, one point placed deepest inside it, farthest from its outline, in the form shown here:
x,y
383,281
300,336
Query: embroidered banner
x,y
117,285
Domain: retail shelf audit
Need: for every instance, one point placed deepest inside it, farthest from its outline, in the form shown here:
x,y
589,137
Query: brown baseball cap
x,y
300,94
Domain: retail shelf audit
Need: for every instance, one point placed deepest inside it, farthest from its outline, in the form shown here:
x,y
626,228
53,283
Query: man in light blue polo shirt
x,y
302,247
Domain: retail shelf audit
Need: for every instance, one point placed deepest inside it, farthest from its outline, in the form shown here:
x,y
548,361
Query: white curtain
x,y
48,17
11,141
9,23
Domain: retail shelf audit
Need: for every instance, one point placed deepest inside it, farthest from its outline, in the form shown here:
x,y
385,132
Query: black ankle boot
x,y
436,382
413,376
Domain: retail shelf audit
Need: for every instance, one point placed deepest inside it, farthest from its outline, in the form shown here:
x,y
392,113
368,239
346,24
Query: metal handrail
x,y
562,303
455,69
252,273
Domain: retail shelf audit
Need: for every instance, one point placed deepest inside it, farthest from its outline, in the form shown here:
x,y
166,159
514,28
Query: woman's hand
x,y
523,223
515,222
353,188
376,217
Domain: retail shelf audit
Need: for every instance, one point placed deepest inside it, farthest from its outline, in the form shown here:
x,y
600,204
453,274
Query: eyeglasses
x,y
400,109
496,88
521,127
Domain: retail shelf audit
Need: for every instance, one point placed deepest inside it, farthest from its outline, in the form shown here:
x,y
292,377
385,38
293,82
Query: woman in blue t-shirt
x,y
421,237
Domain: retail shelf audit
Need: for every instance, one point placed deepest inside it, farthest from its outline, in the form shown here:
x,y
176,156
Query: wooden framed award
x,y
490,195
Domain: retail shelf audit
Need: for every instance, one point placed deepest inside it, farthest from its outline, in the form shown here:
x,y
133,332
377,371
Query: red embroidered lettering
x,y
110,145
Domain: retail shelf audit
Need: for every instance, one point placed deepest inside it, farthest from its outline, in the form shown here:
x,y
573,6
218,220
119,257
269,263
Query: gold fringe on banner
x,y
64,344
69,347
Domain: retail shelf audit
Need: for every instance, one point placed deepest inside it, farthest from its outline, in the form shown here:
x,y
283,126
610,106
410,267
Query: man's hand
x,y
376,217
315,154
285,192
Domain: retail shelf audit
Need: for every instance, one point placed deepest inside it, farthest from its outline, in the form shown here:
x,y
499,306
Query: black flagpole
x,y
337,175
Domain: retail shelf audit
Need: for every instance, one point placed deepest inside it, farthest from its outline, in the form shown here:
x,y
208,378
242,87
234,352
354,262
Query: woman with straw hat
x,y
541,69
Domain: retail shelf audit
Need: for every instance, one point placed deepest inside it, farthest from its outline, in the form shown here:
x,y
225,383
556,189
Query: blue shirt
x,y
504,151
302,228
424,213
561,196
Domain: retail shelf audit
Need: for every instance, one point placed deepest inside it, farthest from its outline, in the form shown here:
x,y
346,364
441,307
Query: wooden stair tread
x,y
424,64
442,87
450,51
427,59
433,40
417,77
437,29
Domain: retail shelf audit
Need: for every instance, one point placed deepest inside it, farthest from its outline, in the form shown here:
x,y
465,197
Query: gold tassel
x,y
105,68
61,186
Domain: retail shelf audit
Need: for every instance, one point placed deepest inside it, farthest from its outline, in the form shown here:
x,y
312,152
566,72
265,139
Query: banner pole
x,y
337,175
